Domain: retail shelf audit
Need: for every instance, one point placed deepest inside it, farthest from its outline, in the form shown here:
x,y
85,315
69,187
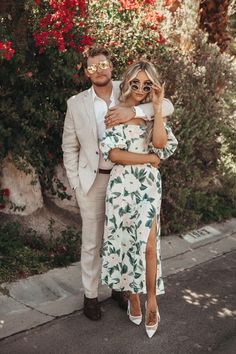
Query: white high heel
x,y
135,319
151,330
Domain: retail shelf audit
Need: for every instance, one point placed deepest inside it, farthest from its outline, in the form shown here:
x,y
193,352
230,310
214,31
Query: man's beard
x,y
101,84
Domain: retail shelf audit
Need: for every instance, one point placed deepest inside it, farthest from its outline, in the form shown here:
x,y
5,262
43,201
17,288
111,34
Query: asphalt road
x,y
198,315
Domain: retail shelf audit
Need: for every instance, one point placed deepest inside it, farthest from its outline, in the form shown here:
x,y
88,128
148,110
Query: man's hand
x,y
118,115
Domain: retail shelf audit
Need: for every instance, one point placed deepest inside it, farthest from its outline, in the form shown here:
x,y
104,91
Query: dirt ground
x,y
40,219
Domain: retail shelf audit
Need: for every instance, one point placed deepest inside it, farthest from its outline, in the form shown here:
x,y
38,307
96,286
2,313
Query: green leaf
x,y
124,269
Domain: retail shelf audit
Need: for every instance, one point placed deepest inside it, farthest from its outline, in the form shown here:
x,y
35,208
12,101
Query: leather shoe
x,y
92,308
121,297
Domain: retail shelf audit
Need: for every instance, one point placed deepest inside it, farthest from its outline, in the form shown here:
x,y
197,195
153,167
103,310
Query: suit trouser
x,y
92,210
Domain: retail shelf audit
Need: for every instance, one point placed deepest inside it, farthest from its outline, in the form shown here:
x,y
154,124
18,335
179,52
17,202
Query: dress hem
x,y
144,292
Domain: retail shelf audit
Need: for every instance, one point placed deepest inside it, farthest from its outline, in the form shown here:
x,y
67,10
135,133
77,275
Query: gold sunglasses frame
x,y
94,67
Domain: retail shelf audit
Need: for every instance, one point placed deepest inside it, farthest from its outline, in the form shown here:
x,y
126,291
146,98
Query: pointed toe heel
x,y
135,319
151,330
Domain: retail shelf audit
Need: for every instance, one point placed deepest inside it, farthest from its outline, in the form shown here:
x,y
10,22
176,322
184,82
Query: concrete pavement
x,y
198,316
39,299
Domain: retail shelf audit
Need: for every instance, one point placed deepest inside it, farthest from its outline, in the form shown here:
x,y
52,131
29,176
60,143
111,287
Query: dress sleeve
x,y
170,147
113,138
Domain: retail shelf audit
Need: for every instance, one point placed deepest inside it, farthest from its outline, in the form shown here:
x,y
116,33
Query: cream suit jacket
x,y
80,140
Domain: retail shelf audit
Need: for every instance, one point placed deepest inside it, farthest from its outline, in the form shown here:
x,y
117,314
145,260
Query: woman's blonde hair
x,y
125,88
130,75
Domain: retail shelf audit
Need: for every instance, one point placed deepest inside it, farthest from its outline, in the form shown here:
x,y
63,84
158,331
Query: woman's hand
x,y
157,96
154,160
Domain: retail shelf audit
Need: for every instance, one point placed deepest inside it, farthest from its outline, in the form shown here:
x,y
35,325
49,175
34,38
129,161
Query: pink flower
x,y
129,4
114,43
86,40
161,39
29,74
6,51
6,192
60,25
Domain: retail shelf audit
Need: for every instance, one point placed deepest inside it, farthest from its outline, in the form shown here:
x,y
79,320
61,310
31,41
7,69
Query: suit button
x,y
97,152
95,171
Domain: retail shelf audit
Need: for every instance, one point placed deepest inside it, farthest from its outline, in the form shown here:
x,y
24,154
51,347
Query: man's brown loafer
x,y
121,297
92,308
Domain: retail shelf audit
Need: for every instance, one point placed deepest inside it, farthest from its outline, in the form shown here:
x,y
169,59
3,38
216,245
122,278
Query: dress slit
x,y
154,225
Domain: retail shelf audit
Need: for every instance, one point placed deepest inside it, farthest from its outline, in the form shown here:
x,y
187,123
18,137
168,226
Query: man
x,y
87,171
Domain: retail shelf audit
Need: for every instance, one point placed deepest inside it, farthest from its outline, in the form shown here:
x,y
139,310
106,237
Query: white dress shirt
x,y
100,109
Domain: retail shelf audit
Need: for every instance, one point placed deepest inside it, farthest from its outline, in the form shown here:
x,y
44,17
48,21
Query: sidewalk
x,y
40,299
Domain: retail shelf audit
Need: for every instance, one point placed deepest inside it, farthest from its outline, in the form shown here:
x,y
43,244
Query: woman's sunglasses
x,y
136,86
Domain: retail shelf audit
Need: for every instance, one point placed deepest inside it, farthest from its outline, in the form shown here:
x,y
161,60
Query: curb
x,y
39,299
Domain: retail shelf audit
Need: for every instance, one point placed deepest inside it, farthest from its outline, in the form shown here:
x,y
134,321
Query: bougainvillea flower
x,y
59,26
6,52
6,192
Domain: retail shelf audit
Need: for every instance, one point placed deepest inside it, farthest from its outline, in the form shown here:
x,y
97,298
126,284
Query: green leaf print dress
x,y
133,202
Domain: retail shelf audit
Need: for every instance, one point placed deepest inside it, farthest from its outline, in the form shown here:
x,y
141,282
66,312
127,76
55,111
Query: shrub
x,y
25,252
36,82
129,28
197,184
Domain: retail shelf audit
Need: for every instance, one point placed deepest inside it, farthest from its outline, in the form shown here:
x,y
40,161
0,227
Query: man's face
x,y
102,75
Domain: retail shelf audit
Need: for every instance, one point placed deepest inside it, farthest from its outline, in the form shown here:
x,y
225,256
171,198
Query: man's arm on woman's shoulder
x,y
119,115
148,112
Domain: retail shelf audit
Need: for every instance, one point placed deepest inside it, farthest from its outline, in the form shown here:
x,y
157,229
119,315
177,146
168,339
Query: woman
x,y
131,251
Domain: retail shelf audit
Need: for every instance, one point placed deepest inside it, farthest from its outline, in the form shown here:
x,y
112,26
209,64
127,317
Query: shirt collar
x,y
94,96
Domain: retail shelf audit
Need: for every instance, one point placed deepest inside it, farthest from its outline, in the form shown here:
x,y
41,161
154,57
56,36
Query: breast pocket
x,y
82,163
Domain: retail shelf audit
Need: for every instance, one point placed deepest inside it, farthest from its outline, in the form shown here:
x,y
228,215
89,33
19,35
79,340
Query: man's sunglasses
x,y
103,65
136,86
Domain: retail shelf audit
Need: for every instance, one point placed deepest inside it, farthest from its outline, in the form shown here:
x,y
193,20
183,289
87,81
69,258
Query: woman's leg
x,y
151,274
135,308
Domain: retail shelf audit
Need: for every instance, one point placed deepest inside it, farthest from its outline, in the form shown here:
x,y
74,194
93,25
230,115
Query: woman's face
x,y
140,86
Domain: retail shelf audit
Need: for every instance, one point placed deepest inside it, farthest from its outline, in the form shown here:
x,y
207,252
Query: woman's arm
x,y
159,136
169,148
123,157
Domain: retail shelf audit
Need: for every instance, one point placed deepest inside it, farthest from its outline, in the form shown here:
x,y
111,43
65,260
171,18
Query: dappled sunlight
x,y
1,324
224,312
205,300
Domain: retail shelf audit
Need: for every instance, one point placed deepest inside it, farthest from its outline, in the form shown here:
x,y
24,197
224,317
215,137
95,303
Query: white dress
x,y
133,202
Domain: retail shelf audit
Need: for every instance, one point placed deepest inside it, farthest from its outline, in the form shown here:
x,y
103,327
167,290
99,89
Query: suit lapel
x,y
89,107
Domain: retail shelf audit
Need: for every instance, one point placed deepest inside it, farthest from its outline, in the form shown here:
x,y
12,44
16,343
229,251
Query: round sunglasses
x,y
136,86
